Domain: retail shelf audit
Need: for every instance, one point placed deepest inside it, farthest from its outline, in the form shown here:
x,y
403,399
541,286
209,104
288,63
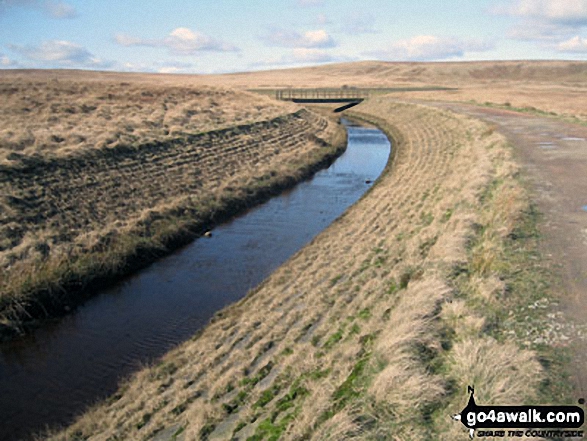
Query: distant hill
x,y
359,74
388,74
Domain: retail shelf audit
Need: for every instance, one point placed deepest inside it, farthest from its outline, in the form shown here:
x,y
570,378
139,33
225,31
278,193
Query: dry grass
x,y
45,115
556,101
398,74
72,213
546,87
364,333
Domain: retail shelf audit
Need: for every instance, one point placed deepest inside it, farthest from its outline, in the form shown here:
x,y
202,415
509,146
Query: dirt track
x,y
554,156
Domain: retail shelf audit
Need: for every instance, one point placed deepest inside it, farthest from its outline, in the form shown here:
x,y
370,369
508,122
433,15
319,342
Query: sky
x,y
220,36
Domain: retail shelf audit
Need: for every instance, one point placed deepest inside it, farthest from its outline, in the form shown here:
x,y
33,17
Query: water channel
x,y
50,376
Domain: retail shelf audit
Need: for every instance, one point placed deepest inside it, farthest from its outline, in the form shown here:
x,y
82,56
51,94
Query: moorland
x,y
445,274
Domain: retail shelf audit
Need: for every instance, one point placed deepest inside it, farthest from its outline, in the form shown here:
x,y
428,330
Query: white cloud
x,y
319,38
174,67
309,39
187,42
135,67
6,62
181,41
550,23
60,53
559,11
575,44
429,48
55,9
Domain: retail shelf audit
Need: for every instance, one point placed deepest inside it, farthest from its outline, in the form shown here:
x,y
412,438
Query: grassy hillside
x,y
556,87
373,73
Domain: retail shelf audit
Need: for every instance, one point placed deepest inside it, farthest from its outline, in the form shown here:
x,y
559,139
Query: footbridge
x,y
351,96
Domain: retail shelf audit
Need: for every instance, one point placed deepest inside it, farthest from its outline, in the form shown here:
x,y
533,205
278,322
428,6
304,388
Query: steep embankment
x,y
375,328
73,216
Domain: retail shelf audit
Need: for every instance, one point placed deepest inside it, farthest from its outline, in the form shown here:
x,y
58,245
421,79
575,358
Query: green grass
x,y
529,280
333,339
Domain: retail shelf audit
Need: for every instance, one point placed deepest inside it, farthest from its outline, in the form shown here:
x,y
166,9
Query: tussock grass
x,y
74,219
374,330
60,116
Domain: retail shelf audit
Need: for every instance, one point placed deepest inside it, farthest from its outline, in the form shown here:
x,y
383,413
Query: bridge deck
x,y
342,95
326,100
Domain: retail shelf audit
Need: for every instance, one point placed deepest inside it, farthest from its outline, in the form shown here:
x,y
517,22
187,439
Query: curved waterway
x,y
50,376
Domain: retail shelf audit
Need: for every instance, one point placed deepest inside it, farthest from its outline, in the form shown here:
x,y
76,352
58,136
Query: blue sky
x,y
203,36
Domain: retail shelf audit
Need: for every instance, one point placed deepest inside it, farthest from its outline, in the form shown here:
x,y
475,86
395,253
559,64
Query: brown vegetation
x,y
372,331
60,115
544,86
156,165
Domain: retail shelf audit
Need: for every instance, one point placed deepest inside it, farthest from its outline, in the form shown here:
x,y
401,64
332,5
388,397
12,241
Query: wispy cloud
x,y
308,55
550,23
556,11
60,53
541,31
60,10
181,41
293,39
301,57
322,19
573,45
359,24
54,9
7,4
174,67
430,48
6,62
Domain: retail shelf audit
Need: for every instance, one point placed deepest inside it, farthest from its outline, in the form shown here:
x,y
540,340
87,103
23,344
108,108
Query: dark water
x,y
50,376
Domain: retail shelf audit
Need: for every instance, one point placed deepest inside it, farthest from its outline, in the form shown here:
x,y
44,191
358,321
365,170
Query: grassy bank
x,y
375,329
74,223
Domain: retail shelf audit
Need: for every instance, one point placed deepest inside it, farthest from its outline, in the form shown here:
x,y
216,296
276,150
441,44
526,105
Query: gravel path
x,y
553,154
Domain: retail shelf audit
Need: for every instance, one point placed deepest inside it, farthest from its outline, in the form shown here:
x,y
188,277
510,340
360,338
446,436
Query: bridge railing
x,y
342,93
